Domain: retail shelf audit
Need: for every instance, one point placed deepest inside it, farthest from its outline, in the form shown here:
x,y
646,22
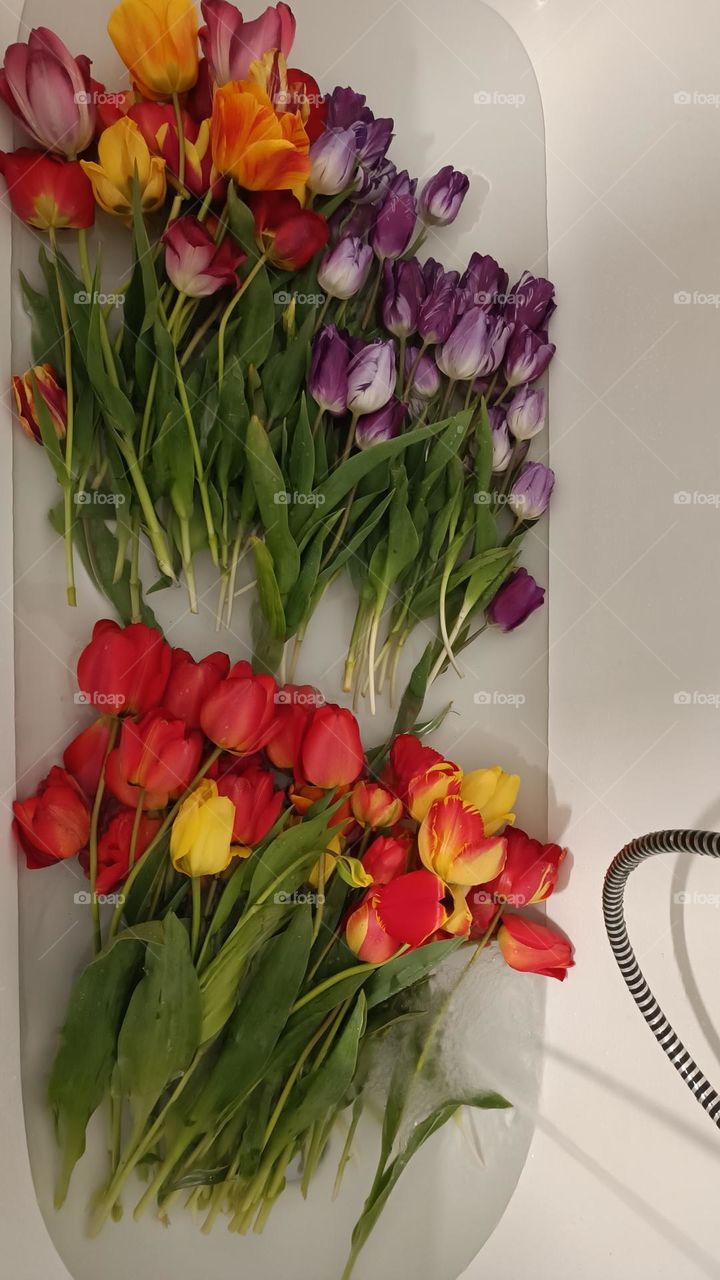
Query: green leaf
x,y
269,622
407,969
242,224
161,1029
144,258
269,485
301,467
49,435
220,980
298,845
284,374
85,1058
250,336
46,332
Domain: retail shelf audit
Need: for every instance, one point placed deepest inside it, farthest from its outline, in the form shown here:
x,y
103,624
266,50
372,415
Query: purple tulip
x,y
403,292
502,446
437,313
475,347
530,493
344,268
528,356
530,301
345,107
377,138
518,597
442,197
371,377
396,220
333,158
384,424
328,377
485,280
425,376
526,413
50,92
373,184
352,219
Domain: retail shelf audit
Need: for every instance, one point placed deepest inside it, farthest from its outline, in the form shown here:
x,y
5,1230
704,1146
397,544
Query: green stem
x,y
93,840
196,915
229,310
136,827
155,533
68,494
199,469
134,582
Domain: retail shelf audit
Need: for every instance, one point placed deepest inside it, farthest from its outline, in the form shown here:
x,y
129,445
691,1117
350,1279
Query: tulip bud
x,y
290,235
531,301
526,413
387,857
231,45
371,377
84,757
333,158
255,801
442,197
123,157
502,445
191,682
196,265
453,842
328,377
155,761
530,494
115,846
53,396
344,268
201,834
441,779
403,293
493,793
240,714
384,424
527,357
475,347
124,669
518,597
396,220
404,912
374,806
158,44
47,193
534,948
408,758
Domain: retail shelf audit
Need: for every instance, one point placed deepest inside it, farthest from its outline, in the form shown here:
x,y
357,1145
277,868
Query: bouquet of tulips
x,y
280,374
280,898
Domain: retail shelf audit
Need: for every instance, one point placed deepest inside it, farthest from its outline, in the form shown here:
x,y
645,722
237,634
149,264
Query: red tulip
x,y
256,802
387,857
483,910
53,394
191,682
46,192
240,713
408,759
85,755
332,753
530,872
124,668
295,706
54,824
158,126
404,912
534,948
374,806
303,95
114,848
157,754
290,234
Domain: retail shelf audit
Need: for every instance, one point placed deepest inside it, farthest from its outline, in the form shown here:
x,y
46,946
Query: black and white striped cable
x,y
700,842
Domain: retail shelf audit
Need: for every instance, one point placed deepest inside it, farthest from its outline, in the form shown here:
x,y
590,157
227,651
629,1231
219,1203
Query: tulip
x,y
158,126
123,153
111,107
331,754
530,873
155,761
396,220
345,107
333,159
50,92
240,714
493,793
372,184
484,279
388,857
45,192
255,801
290,235
502,446
526,413
534,948
530,493
191,683
371,377
440,779
84,757
518,597
115,847
302,94
531,301
124,668
437,313
483,909
54,824
442,196
421,375
404,912
327,380
201,836
53,395
195,264
304,797
344,268
453,842
374,806
157,41
403,294
252,144
384,424
476,346
527,357
409,758
232,45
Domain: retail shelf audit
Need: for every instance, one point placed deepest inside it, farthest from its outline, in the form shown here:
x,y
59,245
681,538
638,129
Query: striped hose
x,y
702,842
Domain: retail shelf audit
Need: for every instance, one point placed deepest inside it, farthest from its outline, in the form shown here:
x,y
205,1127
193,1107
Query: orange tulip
x,y
261,150
374,806
453,844
534,948
157,41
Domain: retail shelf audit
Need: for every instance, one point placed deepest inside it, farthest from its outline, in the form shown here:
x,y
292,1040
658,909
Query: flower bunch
x,y
284,372
279,894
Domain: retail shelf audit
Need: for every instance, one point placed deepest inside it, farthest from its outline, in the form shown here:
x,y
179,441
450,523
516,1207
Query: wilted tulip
x,y
531,301
518,597
371,377
50,92
195,264
240,714
332,754
442,196
530,494
43,378
527,357
534,948
201,836
47,193
396,220
333,158
384,424
526,413
453,842
493,793
344,269
328,377
191,683
403,293
54,824
475,347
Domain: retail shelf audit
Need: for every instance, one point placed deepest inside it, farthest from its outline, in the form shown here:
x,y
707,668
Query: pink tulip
x,y
50,92
231,45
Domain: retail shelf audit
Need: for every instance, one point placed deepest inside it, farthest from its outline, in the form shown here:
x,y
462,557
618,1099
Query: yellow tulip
x,y
200,840
157,41
122,151
493,792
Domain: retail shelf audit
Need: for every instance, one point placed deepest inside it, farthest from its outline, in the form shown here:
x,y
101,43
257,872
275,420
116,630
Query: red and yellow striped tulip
x,y
453,844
